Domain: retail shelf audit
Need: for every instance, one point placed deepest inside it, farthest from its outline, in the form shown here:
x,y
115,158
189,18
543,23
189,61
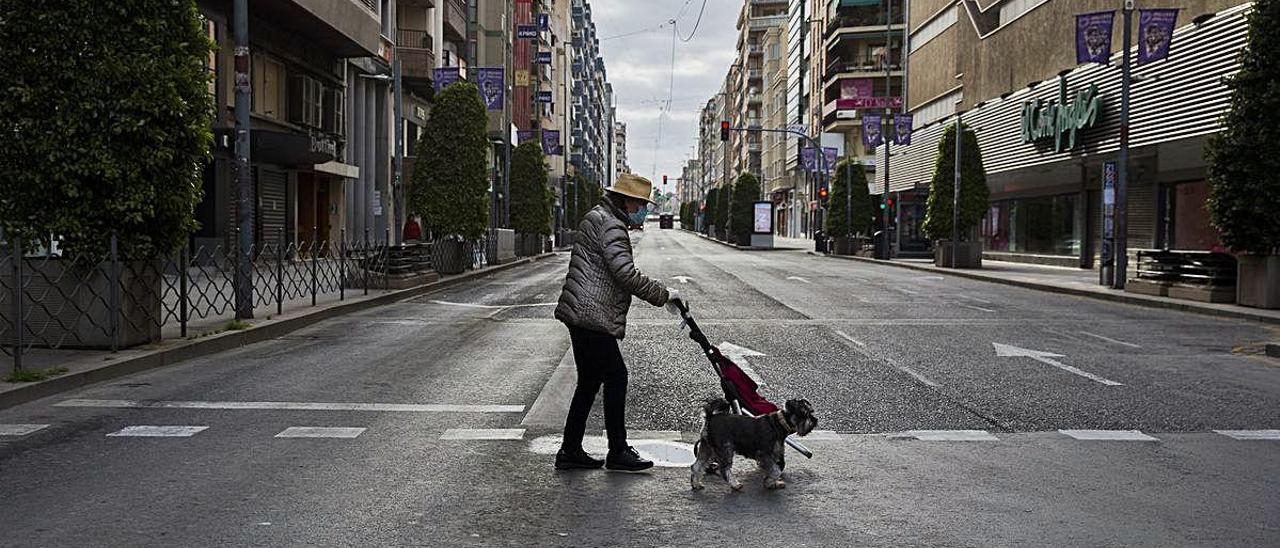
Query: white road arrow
x,y
1005,350
798,279
739,355
681,279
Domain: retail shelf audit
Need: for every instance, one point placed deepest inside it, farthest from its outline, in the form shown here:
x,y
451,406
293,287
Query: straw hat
x,y
632,186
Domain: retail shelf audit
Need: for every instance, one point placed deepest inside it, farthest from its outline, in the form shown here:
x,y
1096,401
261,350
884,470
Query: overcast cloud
x,y
640,68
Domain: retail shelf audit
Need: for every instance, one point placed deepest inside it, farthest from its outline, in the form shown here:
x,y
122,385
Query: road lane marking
x,y
978,308
320,432
1251,434
158,431
850,339
485,434
1107,435
663,453
1110,340
974,299
798,279
20,429
822,435
552,405
906,291
681,279
738,355
491,306
946,435
861,349
669,435
296,406
1005,350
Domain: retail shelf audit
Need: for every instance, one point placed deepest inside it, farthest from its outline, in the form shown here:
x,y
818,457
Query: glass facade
x,y
1045,225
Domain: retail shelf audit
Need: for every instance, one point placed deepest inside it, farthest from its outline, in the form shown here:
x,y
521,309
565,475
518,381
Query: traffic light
x,y
664,180
724,131
822,192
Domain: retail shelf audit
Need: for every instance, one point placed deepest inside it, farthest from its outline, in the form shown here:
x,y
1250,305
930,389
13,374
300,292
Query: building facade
x,y
591,133
1046,187
620,149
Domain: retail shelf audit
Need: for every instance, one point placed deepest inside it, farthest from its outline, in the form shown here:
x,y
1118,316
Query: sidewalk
x,y
207,337
1072,281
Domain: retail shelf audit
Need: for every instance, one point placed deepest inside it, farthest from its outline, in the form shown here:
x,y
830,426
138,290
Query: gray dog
x,y
759,438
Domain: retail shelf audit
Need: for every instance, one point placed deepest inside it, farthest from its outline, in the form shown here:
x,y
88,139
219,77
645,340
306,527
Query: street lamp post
x,y
885,252
244,180
955,196
1121,254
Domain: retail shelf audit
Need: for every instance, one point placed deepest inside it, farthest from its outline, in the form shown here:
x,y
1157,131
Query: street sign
x,y
544,58
546,97
798,128
526,31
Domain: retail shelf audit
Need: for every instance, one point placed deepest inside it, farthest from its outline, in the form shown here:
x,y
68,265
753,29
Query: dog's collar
x,y
781,420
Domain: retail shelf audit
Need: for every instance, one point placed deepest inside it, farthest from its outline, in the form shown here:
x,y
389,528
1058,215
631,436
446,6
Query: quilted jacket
x,y
602,277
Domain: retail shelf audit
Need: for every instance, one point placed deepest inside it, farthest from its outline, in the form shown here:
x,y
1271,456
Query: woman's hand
x,y
673,300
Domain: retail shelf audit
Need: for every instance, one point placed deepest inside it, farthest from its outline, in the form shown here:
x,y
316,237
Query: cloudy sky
x,y
640,68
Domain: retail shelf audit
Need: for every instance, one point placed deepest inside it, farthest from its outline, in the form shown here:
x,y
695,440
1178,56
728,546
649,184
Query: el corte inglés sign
x,y
1060,120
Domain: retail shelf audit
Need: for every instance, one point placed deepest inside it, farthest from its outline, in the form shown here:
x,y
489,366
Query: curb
x,y
222,342
736,246
1123,298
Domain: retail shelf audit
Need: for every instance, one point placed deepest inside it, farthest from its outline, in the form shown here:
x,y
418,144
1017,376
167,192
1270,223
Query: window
x,y
268,87
1014,9
334,112
306,101
933,28
1045,225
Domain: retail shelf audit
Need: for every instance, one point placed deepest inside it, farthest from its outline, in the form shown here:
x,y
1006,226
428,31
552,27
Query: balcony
x,y
755,74
755,50
455,20
766,23
417,57
861,17
875,64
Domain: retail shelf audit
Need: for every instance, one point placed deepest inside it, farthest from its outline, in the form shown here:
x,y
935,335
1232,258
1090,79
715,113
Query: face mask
x,y
638,217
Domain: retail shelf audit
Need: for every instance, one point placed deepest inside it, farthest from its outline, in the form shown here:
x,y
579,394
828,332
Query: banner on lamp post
x,y
871,129
551,142
902,129
546,97
526,31
1155,32
544,21
445,76
492,86
524,135
1093,37
544,58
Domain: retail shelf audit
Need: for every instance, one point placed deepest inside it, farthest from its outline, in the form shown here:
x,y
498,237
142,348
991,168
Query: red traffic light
x,y
664,180
822,192
724,130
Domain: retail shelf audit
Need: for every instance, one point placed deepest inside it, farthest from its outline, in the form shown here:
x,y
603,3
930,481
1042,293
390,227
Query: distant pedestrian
x,y
594,303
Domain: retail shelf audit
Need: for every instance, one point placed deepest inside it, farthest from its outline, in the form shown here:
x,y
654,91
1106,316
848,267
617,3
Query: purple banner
x,y
546,97
809,159
491,87
524,135
869,102
544,58
551,142
1093,37
872,129
526,31
902,129
544,21
1155,32
445,76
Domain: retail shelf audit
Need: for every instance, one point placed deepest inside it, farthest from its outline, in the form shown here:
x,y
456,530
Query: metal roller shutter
x,y
272,186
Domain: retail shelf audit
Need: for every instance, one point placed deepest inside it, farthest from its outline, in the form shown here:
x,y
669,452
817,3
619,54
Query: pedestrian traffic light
x,y
724,131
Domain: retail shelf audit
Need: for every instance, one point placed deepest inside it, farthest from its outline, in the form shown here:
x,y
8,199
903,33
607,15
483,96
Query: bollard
x,y
113,279
315,241
15,247
365,258
280,271
342,264
183,261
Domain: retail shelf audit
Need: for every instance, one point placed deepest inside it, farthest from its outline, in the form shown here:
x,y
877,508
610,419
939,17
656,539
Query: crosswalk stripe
x,y
947,435
320,432
1251,434
483,434
20,429
296,406
1108,435
822,435
669,435
158,431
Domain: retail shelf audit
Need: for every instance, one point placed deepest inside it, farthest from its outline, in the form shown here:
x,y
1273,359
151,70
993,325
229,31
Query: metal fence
x,y
54,301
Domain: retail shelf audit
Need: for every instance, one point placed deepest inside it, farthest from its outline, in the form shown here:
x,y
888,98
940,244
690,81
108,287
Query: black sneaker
x,y
576,460
627,460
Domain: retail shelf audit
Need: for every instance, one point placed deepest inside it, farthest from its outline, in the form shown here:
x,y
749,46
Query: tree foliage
x,y
723,205
858,207
450,180
582,195
531,198
1244,170
713,205
106,117
973,187
746,191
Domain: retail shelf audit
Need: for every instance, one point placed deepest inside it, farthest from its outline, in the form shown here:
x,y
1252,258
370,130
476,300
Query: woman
x,y
597,294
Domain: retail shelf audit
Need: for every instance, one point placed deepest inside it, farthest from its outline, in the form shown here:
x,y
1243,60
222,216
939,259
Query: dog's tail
x,y
716,406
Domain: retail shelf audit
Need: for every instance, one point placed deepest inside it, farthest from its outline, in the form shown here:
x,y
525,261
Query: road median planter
x,y
969,255
1258,284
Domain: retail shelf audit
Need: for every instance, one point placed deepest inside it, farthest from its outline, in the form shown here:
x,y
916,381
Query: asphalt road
x,y
942,404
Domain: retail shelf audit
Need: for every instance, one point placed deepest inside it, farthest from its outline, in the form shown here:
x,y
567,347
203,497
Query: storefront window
x,y
1047,225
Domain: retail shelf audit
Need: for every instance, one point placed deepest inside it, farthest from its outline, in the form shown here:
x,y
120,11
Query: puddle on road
x,y
663,453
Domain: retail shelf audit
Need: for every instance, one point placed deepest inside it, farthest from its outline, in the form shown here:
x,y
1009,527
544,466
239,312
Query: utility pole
x,y
955,197
401,208
885,252
1122,177
244,179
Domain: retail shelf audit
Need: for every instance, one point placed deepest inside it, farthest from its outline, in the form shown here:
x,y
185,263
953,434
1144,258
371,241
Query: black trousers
x,y
599,362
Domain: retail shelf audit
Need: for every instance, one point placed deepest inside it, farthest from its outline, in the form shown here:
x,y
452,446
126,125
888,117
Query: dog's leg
x,y
772,474
702,456
724,456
